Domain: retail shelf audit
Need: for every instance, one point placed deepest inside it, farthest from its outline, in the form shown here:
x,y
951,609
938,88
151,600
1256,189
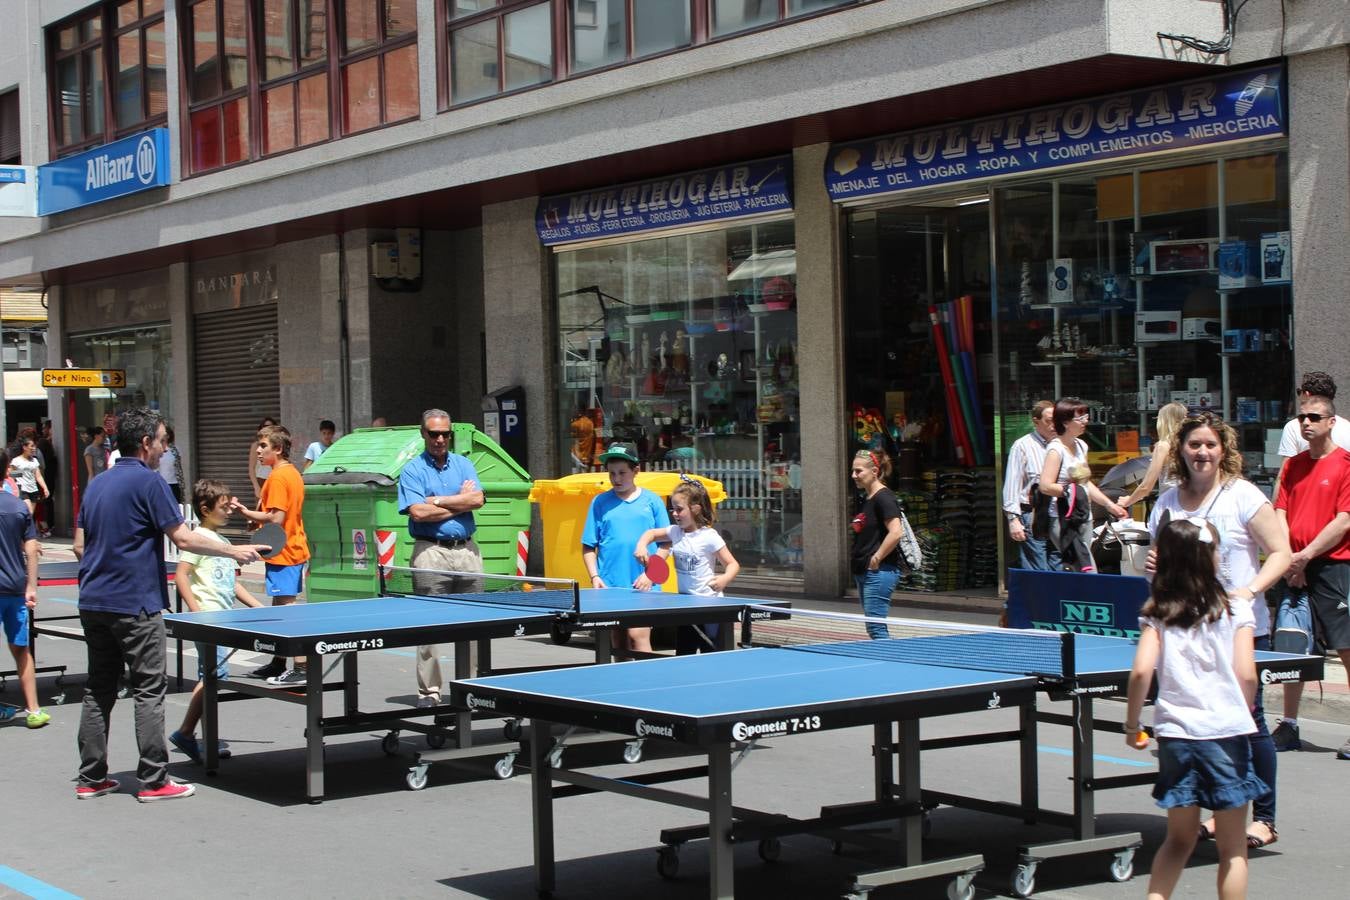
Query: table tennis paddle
x,y
658,570
273,535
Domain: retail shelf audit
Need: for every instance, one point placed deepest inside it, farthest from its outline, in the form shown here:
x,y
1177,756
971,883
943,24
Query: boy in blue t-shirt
x,y
207,584
614,522
18,597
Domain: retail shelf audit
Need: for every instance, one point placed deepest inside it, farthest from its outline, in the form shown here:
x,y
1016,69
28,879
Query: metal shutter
x,y
235,361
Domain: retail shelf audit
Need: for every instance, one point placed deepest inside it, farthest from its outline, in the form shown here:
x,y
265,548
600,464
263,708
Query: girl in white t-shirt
x,y
696,548
1201,647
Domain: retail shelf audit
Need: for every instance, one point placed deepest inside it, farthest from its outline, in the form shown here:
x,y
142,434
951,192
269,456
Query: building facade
x,y
750,236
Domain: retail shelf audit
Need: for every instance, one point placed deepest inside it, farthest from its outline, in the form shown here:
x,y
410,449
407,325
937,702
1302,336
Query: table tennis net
x,y
1045,654
479,587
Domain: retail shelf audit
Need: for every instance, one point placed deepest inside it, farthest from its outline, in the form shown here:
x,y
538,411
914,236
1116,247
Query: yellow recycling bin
x,y
564,502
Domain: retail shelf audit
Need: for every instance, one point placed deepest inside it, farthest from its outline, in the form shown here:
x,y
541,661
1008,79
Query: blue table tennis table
x,y
339,631
719,705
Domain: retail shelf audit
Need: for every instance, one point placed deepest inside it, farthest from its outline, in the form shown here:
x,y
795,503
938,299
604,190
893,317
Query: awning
x,y
766,265
25,384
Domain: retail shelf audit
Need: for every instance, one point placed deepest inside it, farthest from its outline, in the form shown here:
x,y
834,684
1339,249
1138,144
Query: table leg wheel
x,y
770,849
436,738
512,730
555,757
961,888
560,633
505,767
389,743
632,752
1024,880
1122,866
668,862
417,778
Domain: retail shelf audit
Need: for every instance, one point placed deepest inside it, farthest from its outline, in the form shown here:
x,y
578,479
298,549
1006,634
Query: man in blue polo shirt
x,y
438,492
119,534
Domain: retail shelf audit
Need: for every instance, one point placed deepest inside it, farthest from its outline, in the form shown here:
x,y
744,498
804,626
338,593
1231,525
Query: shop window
x,y
508,48
613,31
686,346
731,16
379,63
10,140
106,74
294,67
145,353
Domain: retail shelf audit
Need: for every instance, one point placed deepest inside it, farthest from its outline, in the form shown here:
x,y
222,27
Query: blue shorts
x,y
14,613
222,653
1214,774
285,581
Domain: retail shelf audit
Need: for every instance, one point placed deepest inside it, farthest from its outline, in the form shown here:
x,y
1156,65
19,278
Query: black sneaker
x,y
271,670
1285,737
289,678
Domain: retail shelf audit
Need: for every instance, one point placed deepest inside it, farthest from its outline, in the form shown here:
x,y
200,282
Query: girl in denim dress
x,y
1201,647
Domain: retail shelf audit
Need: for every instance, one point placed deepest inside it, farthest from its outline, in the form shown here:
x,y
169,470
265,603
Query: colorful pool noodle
x,y
949,384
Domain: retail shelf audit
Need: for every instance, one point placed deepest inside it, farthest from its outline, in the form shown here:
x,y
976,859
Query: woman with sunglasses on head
x,y
1208,468
1063,454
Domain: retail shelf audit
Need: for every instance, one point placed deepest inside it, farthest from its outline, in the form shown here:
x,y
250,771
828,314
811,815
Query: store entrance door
x,y
919,381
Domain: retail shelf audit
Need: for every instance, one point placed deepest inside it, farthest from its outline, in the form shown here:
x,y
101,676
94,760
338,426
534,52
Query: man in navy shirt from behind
x,y
119,534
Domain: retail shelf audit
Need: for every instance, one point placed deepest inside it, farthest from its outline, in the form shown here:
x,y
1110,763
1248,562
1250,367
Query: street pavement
x,y
249,830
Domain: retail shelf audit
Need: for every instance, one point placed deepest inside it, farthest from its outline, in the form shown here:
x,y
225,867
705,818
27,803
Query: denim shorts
x,y
285,581
14,615
222,653
1214,774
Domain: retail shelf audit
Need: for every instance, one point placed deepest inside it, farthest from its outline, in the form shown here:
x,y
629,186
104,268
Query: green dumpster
x,y
352,517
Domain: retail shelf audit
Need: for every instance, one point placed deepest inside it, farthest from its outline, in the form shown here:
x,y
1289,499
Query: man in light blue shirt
x,y
438,492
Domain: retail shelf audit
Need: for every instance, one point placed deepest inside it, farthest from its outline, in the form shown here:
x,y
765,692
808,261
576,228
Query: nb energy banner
x,y
693,198
125,166
1231,106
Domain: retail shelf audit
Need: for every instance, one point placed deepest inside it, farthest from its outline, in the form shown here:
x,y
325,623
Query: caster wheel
x,y
961,889
512,730
417,779
123,693
389,743
1122,867
555,758
668,862
1024,881
436,738
505,768
560,633
632,753
770,849
59,699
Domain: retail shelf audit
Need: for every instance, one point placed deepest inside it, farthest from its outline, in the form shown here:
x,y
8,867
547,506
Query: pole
x,y
74,454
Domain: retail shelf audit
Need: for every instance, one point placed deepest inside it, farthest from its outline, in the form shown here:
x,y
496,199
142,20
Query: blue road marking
x,y
30,886
1118,760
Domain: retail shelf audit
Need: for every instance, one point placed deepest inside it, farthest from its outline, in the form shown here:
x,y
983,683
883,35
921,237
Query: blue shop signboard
x,y
1230,106
692,198
125,166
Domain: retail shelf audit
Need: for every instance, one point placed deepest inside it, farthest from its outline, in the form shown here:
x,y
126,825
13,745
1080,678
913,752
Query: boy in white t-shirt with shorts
x,y
207,583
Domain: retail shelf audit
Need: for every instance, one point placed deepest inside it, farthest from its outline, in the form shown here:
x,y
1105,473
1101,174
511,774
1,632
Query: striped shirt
x,y
1025,461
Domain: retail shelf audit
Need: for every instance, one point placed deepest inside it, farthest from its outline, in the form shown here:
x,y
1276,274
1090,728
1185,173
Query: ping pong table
x,y
338,632
67,573
720,705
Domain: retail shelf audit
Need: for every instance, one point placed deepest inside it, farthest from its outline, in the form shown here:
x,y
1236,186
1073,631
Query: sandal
x,y
1256,843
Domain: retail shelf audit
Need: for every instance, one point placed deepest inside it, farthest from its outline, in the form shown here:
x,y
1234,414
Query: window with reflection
x,y
498,47
217,39
731,16
107,74
378,78
294,67
608,32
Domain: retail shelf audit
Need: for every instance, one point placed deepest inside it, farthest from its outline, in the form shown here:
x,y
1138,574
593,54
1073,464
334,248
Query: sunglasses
x,y
1312,417
438,434
1085,417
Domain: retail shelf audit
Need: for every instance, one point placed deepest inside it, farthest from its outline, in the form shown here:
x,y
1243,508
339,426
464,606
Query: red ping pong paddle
x,y
274,536
658,570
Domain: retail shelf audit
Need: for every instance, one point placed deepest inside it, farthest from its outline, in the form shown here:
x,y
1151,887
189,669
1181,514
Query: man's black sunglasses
x,y
438,434
1312,417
